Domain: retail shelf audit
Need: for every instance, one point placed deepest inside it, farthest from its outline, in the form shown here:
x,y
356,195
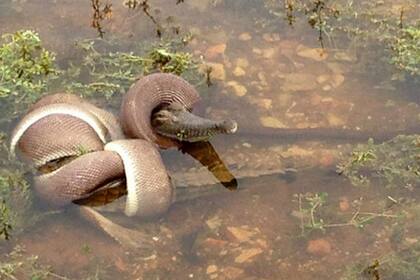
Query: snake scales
x,y
94,149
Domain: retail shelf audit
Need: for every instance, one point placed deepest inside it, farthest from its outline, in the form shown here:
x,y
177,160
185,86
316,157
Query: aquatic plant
x,y
25,65
15,196
26,68
371,30
109,73
313,214
15,200
100,13
5,220
406,50
29,70
394,163
16,265
402,261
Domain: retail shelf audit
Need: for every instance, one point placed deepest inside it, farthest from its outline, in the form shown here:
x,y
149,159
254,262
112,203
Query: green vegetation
x,y
24,64
26,67
15,197
16,265
403,262
394,163
29,70
406,50
313,212
108,73
371,30
15,200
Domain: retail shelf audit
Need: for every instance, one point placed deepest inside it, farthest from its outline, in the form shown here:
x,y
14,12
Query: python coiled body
x,y
94,149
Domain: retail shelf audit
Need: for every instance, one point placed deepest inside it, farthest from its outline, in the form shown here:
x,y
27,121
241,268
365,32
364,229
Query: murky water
x,y
265,74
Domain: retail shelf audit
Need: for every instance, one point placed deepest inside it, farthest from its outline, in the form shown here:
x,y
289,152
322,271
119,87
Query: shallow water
x,y
266,73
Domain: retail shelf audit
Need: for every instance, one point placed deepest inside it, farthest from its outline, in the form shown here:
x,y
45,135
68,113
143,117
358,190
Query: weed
x,y
395,163
113,72
5,220
24,65
16,265
15,200
311,209
406,50
403,264
86,249
372,29
99,14
26,68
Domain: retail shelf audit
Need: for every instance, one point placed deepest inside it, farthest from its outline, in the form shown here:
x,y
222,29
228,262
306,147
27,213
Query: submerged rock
x,y
215,50
240,234
239,71
271,122
242,62
319,247
245,36
248,255
238,89
299,82
317,54
217,71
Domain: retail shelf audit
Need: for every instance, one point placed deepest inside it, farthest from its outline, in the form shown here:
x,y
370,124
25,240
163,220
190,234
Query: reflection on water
x,y
265,73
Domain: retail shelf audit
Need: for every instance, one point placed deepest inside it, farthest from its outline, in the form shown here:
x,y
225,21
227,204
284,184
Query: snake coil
x,y
92,149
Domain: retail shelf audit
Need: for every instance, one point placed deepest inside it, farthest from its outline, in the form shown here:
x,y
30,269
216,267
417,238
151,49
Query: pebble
x,y
323,78
411,241
218,71
326,160
216,50
335,120
238,89
239,71
269,53
284,100
317,54
257,51
296,151
214,223
299,82
344,204
240,234
337,80
315,99
337,68
245,36
248,255
271,122
344,56
242,62
214,243
232,272
211,269
199,5
264,103
271,37
262,78
326,88
246,145
216,36
319,247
